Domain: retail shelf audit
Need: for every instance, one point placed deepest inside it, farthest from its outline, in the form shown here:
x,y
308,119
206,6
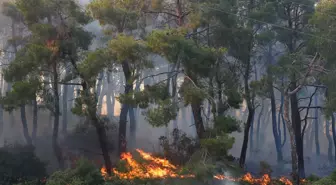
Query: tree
x,y
241,23
45,52
119,17
291,21
323,43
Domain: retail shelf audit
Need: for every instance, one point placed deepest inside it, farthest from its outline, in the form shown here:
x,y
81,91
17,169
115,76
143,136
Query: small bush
x,y
265,168
179,149
85,173
313,178
19,164
324,181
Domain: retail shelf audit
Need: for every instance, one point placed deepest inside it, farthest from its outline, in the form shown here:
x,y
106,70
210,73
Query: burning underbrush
x,y
148,167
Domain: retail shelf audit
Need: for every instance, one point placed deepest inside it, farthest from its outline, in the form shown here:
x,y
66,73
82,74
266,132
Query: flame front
x,y
159,168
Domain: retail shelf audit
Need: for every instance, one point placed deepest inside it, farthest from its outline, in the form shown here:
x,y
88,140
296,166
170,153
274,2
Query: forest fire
x,y
159,168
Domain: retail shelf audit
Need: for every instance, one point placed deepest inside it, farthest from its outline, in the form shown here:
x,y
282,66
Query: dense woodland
x,y
202,72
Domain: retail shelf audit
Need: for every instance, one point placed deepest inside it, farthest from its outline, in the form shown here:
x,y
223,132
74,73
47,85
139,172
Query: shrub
x,y
85,173
324,181
312,178
265,168
179,149
19,164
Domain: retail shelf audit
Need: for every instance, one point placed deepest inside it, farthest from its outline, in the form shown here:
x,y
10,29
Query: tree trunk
x,y
35,110
330,142
259,123
282,121
65,107
132,127
251,110
99,92
197,114
133,118
55,144
246,134
122,142
25,125
251,137
291,137
316,121
296,124
275,130
333,132
110,96
311,138
1,106
102,138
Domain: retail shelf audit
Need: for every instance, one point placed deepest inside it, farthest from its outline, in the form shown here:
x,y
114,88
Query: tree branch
x,y
312,107
310,69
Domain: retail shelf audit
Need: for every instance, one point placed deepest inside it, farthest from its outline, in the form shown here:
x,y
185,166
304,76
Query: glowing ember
x,y
162,168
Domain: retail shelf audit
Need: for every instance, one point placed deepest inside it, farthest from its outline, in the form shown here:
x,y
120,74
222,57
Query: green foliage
x,y
324,27
179,149
173,45
191,93
48,8
93,64
324,181
162,114
234,98
9,9
120,14
27,62
218,146
312,178
22,93
84,174
126,48
226,124
16,164
151,94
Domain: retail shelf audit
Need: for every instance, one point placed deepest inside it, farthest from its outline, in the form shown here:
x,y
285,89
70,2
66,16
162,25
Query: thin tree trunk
x,y
65,107
197,115
133,118
132,127
35,110
1,106
250,116
316,124
55,144
110,96
99,92
330,141
333,132
275,129
245,141
122,143
25,125
311,138
102,138
296,123
259,123
291,137
251,137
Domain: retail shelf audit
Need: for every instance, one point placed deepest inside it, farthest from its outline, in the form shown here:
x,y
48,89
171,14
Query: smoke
x,y
226,182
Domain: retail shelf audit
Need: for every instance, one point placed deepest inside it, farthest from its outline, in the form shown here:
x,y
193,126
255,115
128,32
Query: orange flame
x,y
161,168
